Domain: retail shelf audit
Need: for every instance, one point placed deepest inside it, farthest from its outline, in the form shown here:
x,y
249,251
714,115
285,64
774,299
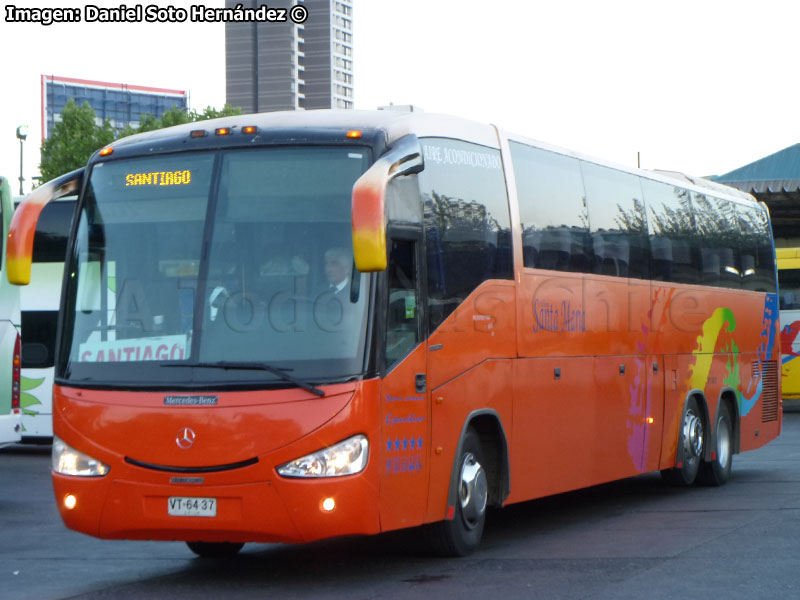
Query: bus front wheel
x,y
214,549
691,446
461,535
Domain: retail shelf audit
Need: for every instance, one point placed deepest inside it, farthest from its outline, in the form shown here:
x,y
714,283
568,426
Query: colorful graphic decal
x,y
27,400
765,351
790,366
707,343
717,337
788,337
637,438
718,325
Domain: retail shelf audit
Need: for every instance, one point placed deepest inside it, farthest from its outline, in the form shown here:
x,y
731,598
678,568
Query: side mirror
x,y
369,201
19,249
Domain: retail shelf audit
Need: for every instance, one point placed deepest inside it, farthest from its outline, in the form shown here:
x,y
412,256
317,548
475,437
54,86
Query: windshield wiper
x,y
253,366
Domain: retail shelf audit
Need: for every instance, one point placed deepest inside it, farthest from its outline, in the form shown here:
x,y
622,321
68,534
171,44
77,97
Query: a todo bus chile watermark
x,y
154,13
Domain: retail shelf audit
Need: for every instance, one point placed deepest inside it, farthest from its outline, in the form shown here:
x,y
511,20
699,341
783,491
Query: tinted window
x,y
555,224
717,241
618,222
672,232
467,223
758,256
789,286
52,231
402,321
38,343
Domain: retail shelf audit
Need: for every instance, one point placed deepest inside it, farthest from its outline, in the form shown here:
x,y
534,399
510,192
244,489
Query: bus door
x,y
405,411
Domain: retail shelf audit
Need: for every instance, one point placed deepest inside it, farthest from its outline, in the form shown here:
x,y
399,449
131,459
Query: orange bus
x,y
294,326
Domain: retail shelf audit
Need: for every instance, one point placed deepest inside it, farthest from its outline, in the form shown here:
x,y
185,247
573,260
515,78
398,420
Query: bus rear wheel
x,y
691,446
718,471
462,534
214,549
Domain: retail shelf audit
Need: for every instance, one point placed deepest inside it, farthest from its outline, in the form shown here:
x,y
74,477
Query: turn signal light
x,y
70,501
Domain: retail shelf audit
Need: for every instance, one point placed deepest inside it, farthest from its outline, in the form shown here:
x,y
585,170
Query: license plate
x,y
192,507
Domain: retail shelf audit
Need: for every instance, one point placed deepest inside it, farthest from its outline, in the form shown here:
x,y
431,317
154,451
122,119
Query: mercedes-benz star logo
x,y
185,438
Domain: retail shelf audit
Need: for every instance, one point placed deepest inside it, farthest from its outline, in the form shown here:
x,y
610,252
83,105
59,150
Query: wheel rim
x,y
692,435
473,491
723,443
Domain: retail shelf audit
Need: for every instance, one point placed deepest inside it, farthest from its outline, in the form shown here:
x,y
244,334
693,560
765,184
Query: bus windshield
x,y
239,256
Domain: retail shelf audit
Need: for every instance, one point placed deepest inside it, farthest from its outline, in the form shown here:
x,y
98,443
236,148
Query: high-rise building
x,y
120,103
291,66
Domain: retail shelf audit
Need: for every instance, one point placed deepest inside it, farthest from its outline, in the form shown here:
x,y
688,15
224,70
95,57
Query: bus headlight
x,y
345,458
68,461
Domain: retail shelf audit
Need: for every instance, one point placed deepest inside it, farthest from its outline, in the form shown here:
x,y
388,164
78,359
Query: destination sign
x,y
159,178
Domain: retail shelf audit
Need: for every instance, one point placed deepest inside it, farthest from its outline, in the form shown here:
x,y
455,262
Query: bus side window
x,y
618,222
671,224
552,206
402,320
718,249
758,264
467,222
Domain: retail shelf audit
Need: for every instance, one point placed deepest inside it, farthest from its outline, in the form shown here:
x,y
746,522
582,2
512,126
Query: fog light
x,y
328,504
70,501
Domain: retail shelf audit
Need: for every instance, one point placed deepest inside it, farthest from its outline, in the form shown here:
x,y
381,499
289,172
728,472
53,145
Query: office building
x,y
122,104
291,66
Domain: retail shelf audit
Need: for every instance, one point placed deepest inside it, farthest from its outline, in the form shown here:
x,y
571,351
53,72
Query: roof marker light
x,y
354,133
198,133
222,131
249,129
106,151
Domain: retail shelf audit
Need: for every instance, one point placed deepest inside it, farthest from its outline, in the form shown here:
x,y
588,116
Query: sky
x,y
698,86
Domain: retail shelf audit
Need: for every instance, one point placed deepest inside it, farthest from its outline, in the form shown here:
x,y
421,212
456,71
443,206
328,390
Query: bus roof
x,y
394,125
388,125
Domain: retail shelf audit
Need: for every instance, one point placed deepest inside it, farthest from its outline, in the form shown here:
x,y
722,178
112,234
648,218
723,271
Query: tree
x,y
78,136
73,141
178,116
212,113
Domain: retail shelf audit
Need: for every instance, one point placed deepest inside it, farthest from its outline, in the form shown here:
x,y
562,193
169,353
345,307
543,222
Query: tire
x,y
214,549
461,535
691,446
718,471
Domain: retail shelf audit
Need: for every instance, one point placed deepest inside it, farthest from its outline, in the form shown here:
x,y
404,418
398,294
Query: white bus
x,y
10,427
39,317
